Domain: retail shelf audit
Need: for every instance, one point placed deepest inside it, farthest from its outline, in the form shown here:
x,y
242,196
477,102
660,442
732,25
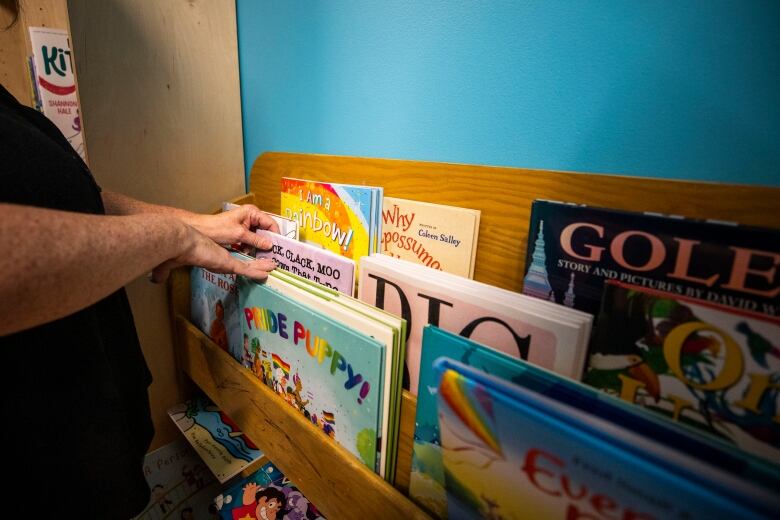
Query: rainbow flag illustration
x,y
328,417
279,363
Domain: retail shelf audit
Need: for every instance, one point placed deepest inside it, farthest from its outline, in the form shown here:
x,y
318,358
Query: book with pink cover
x,y
311,262
543,333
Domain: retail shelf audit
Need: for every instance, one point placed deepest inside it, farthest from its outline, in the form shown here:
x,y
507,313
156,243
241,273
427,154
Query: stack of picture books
x,y
500,438
550,335
335,359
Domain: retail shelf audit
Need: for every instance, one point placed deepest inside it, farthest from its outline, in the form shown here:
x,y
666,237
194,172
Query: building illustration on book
x,y
710,367
536,283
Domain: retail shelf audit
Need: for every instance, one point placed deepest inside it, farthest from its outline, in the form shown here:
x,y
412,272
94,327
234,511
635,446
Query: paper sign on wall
x,y
56,83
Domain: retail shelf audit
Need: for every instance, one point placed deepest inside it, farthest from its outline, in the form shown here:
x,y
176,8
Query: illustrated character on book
x,y
195,476
260,503
300,403
655,351
217,331
248,357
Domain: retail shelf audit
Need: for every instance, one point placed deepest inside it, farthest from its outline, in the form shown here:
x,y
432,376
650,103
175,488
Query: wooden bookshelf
x,y
331,477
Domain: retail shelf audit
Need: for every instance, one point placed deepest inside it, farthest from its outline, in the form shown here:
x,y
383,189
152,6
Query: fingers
x,y
259,219
160,273
260,239
254,269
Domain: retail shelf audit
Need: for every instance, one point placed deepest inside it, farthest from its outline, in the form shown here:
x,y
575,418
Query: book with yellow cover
x,y
434,235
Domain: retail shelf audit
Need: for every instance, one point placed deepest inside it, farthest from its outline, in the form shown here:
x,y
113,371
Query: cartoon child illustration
x,y
260,504
268,374
248,357
218,332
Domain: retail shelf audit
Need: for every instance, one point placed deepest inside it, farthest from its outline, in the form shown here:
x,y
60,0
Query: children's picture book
x,y
434,235
711,367
214,309
287,227
327,370
311,262
544,333
341,218
215,437
573,249
384,327
264,495
181,484
574,460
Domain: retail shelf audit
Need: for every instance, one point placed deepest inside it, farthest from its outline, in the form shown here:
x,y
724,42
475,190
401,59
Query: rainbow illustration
x,y
279,363
328,417
454,391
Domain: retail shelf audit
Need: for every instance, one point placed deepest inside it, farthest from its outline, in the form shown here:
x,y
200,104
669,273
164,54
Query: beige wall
x,y
161,109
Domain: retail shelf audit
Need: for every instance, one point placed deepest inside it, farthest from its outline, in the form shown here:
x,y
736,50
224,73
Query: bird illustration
x,y
759,346
634,365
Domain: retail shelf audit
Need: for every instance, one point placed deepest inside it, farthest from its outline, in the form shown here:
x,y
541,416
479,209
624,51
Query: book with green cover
x,y
327,370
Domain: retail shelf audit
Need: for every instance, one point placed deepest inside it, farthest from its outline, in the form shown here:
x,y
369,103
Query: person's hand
x,y
202,251
236,226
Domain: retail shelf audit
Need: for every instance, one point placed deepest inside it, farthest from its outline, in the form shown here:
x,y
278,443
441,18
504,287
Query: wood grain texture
x,y
162,110
504,196
405,442
332,478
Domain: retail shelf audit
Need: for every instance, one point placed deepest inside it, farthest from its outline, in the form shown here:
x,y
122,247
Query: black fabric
x,y
74,391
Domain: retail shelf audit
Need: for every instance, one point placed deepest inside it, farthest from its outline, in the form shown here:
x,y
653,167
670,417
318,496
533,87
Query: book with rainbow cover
x,y
329,372
341,218
582,456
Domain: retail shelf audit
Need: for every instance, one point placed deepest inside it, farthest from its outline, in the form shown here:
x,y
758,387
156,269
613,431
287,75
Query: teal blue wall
x,y
676,89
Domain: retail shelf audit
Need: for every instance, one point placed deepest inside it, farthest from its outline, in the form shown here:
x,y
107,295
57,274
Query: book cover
x,y
711,367
329,372
214,309
287,227
569,463
215,437
265,495
437,236
552,336
310,262
573,249
181,484
380,325
337,217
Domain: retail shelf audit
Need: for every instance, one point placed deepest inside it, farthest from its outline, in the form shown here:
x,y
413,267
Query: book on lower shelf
x,y
266,494
222,446
582,453
180,483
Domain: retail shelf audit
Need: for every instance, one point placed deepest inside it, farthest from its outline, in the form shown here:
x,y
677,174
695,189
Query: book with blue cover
x,y
581,455
215,437
266,494
325,369
214,309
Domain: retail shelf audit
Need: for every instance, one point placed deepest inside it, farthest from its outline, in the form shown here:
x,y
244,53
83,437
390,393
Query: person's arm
x,y
230,227
54,263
